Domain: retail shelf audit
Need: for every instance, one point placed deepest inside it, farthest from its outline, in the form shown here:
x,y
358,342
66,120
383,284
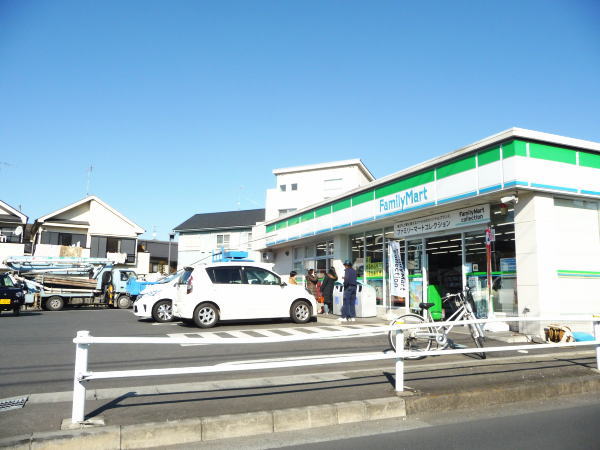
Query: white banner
x,y
441,222
397,274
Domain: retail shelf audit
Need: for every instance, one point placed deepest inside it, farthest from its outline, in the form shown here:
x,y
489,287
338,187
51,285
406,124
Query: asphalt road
x,y
557,424
38,352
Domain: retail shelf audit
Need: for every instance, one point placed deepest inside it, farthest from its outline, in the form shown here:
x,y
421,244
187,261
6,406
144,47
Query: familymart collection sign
x,y
450,220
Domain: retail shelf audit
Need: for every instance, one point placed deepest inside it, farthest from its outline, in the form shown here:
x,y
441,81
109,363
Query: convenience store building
x,y
514,216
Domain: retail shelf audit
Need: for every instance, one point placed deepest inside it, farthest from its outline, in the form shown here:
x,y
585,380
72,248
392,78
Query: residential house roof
x,y
222,220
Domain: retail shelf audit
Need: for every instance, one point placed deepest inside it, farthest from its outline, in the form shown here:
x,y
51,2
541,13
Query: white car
x,y
156,300
237,290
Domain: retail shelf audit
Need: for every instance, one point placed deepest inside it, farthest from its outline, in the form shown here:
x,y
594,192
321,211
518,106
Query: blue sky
x,y
186,107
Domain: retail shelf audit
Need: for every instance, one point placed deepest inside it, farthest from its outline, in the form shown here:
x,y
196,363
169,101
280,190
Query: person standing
x,y
292,279
349,307
311,282
327,285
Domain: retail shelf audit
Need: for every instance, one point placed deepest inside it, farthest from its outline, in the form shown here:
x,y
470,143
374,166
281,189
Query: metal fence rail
x,y
84,340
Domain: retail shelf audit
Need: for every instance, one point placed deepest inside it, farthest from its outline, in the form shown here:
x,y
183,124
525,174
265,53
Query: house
x,y
203,234
13,227
89,228
297,187
163,255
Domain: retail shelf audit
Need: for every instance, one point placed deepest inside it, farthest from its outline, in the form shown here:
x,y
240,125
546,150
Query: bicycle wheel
x,y
477,335
415,339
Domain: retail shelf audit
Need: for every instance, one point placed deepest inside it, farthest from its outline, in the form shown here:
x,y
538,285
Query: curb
x,y
155,434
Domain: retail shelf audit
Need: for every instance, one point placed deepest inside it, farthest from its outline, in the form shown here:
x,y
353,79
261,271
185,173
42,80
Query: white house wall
x,y
195,246
106,223
78,213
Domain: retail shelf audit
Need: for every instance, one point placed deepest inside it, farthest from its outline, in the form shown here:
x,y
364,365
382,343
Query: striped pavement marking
x,y
274,332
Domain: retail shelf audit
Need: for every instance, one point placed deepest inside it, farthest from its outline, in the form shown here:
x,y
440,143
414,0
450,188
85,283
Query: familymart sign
x,y
450,220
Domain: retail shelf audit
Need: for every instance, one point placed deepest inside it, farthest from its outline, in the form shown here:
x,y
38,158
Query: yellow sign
x,y
4,301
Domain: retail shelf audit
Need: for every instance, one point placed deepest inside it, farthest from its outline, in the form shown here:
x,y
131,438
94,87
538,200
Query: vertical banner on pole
x,y
489,238
398,282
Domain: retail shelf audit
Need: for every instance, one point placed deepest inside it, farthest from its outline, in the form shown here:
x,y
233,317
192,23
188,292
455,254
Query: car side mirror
x,y
283,284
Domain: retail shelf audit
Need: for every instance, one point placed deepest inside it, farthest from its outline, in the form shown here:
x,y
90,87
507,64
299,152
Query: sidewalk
x,y
175,414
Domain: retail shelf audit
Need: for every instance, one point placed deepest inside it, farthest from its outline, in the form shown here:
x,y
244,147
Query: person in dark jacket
x,y
327,285
349,306
311,282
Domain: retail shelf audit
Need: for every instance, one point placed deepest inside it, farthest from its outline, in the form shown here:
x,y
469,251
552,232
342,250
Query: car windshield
x,y
6,281
185,276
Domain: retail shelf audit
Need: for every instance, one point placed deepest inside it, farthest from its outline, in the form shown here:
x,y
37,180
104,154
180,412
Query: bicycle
x,y
421,339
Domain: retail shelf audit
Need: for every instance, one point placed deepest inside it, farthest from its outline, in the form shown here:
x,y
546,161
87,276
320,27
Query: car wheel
x,y
55,303
300,311
206,315
123,302
162,311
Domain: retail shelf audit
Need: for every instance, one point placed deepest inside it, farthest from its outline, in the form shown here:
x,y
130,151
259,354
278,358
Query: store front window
x,y
317,256
374,263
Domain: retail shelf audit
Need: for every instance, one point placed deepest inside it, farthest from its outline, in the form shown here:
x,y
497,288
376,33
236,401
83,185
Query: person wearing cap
x,y
348,307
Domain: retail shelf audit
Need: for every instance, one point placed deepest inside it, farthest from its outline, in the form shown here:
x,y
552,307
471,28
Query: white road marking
x,y
272,332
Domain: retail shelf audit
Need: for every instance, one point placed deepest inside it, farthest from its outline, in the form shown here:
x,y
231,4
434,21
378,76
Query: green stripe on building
x,y
323,211
293,220
363,198
488,156
307,216
514,148
281,225
550,153
406,183
342,204
589,160
456,167
270,228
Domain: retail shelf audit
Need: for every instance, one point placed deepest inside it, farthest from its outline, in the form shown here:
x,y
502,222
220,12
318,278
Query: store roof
x,y
222,220
328,165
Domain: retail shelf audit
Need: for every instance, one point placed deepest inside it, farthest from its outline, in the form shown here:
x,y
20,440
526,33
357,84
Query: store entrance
x,y
444,267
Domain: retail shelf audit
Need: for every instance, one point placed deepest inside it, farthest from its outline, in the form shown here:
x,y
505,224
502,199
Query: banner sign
x,y
441,222
397,274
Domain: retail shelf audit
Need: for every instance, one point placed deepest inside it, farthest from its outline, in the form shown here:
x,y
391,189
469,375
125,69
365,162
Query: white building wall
x,y
196,246
106,223
313,186
10,249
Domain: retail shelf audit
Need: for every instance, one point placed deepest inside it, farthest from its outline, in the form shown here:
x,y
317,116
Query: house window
x,y
249,240
223,240
101,245
282,187
285,211
294,186
8,235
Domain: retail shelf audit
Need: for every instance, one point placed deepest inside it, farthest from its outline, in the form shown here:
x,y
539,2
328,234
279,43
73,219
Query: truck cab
x,y
12,296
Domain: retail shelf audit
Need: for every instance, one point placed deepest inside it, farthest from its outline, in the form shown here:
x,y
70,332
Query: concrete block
x,y
349,412
161,433
234,425
385,408
90,439
17,442
291,419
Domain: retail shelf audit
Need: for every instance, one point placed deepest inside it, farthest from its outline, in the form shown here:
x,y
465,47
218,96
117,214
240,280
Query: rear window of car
x,y
5,281
225,275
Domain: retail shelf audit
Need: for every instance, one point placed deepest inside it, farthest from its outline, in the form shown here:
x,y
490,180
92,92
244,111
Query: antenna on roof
x,y
89,179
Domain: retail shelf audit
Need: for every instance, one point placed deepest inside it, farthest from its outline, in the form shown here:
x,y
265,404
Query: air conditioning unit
x,y
268,257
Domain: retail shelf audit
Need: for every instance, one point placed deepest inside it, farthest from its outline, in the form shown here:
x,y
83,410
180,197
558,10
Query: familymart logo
x,y
404,200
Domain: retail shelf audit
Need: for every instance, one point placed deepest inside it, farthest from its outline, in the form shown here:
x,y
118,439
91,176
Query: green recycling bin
x,y
434,296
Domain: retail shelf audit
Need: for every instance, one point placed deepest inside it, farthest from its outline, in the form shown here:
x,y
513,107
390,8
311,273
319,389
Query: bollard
x,y
400,361
597,337
81,360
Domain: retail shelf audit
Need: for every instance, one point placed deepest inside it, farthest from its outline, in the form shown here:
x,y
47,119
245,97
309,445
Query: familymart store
x,y
514,216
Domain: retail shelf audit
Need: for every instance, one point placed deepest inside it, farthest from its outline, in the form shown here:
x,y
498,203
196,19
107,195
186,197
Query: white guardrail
x,y
84,340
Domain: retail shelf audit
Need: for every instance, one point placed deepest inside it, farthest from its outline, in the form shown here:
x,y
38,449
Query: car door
x,y
264,294
229,291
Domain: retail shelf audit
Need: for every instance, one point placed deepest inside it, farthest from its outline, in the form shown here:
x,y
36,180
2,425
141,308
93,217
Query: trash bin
x,y
338,298
434,296
365,302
